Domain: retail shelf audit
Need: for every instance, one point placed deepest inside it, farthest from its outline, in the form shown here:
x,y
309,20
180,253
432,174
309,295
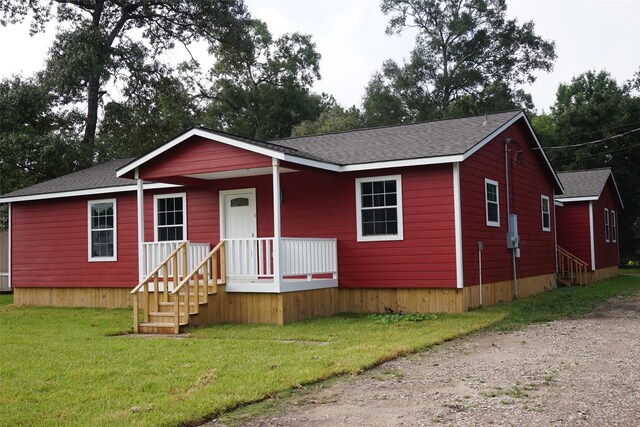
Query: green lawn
x,y
70,366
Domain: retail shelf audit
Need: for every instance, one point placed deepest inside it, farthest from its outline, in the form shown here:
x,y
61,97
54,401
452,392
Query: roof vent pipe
x,y
485,120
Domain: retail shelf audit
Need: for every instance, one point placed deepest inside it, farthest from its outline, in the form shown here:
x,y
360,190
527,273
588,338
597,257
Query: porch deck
x,y
181,279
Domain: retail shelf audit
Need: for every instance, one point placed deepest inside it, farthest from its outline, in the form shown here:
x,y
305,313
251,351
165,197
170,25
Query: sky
x,y
350,36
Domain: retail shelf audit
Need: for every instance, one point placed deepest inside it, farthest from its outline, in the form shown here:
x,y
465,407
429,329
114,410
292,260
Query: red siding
x,y
199,155
50,246
529,178
606,252
318,204
574,230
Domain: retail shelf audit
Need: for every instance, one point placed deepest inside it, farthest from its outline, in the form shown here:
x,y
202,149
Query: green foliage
x,y
94,46
595,107
468,58
36,142
160,110
261,89
335,119
88,374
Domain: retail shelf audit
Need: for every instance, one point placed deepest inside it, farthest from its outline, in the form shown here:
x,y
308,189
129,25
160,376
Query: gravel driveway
x,y
583,372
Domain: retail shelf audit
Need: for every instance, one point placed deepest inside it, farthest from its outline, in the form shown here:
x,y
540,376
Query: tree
x,y
36,143
335,119
95,45
262,88
161,109
465,50
595,123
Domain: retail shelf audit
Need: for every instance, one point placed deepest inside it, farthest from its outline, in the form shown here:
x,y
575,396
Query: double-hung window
x,y
102,230
614,227
607,232
546,213
170,217
379,208
492,202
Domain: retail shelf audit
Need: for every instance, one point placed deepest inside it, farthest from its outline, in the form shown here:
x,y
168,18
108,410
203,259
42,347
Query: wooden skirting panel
x,y
494,293
278,309
73,297
418,300
603,273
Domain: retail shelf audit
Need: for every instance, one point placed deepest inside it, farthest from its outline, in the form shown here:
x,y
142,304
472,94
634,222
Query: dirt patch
x,y
583,372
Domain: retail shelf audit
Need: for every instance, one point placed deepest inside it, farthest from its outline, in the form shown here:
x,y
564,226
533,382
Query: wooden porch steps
x,y
157,327
191,294
571,269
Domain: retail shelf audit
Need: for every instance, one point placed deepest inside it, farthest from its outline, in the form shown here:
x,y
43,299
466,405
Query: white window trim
x,y
156,197
400,235
115,231
607,230
486,202
614,226
542,198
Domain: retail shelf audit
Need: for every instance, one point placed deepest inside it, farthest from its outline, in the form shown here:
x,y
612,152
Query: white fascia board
x,y
557,202
615,185
311,163
501,129
576,199
228,141
89,192
492,135
403,163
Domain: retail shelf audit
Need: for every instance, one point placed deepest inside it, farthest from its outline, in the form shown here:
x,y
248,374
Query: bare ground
x,y
583,372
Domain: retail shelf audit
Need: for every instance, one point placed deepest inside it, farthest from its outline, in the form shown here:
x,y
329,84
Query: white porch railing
x,y
252,258
308,257
155,252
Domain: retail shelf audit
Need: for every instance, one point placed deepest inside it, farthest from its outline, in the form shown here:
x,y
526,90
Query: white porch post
x,y
140,204
277,234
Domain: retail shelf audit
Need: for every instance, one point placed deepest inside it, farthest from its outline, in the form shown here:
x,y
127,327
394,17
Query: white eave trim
x,y
89,192
576,199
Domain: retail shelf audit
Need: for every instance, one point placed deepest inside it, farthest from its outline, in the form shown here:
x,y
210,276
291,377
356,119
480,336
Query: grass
x,y
73,366
69,366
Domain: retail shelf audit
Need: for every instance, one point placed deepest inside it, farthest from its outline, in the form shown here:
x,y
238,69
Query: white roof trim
x,y
501,129
225,140
88,192
402,163
577,199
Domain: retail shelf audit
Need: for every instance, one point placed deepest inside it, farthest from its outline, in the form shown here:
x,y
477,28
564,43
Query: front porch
x,y
194,285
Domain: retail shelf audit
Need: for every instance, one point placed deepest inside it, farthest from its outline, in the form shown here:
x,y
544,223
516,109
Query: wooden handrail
x,y
159,267
153,278
202,269
571,267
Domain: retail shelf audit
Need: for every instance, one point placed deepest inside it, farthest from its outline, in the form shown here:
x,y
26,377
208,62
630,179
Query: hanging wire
x,y
582,144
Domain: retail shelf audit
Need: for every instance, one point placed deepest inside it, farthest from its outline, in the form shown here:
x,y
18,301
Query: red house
x,y
587,222
436,216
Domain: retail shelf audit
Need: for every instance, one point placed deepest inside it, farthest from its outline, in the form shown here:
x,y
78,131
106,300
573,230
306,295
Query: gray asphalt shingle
x,y
411,141
585,183
100,176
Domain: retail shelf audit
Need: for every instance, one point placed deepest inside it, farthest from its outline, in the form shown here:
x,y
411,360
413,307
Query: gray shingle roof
x,y
403,142
100,176
585,183
412,141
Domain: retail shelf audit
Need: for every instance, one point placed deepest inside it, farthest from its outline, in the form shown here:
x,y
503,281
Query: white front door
x,y
238,214
238,226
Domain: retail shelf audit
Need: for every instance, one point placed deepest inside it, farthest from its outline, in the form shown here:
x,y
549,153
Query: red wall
x,y
50,244
606,252
318,204
529,179
574,230
199,155
574,234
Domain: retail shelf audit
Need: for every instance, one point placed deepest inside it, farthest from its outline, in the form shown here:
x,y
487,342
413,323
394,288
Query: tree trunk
x,y
88,140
